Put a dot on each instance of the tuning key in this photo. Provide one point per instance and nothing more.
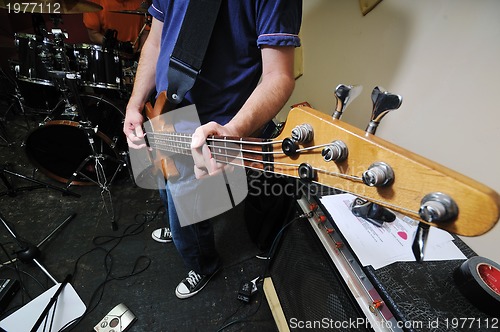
(379, 174)
(336, 151)
(345, 94)
(438, 207)
(383, 102)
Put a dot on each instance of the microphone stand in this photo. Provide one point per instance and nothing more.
(12, 191)
(30, 252)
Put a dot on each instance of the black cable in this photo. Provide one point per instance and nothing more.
(97, 295)
(262, 276)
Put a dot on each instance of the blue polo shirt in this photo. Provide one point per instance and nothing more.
(232, 65)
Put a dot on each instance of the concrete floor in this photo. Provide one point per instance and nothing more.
(111, 266)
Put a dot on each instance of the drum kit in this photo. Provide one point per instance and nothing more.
(80, 140)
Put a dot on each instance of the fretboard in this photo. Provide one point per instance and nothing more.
(248, 152)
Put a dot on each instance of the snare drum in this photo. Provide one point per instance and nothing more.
(98, 67)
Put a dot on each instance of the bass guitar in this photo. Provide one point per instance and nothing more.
(317, 148)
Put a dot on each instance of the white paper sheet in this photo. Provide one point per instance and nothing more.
(381, 246)
(69, 307)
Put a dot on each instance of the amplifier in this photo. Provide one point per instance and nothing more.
(319, 284)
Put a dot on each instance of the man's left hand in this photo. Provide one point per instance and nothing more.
(204, 162)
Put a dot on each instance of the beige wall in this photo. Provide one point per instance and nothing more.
(442, 56)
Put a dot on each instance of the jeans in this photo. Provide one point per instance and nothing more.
(194, 242)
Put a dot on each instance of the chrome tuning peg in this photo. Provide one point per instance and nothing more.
(383, 102)
(345, 94)
(438, 207)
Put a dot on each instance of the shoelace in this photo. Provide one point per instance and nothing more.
(193, 278)
(165, 232)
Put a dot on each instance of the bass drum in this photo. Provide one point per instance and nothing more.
(61, 148)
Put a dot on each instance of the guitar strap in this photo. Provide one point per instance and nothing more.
(190, 47)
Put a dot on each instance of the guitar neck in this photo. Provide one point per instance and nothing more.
(252, 153)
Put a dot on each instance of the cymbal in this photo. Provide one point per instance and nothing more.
(142, 10)
(50, 6)
(138, 11)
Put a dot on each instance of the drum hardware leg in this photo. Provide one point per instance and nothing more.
(12, 190)
(16, 101)
(100, 180)
(126, 162)
(30, 252)
(3, 133)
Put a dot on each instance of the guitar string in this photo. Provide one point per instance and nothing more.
(213, 139)
(241, 141)
(237, 141)
(187, 151)
(374, 200)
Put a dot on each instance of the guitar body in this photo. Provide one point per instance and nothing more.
(414, 176)
(162, 161)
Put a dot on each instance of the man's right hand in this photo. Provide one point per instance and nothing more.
(132, 128)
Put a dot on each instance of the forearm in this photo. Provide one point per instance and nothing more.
(269, 96)
(95, 36)
(143, 86)
(144, 82)
(262, 106)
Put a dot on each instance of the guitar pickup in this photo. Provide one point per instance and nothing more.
(372, 212)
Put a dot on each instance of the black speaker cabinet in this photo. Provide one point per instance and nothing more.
(316, 283)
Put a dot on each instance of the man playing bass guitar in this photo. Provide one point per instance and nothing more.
(246, 78)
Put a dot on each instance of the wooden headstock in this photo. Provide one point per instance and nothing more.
(414, 177)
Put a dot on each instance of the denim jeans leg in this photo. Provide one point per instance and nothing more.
(195, 243)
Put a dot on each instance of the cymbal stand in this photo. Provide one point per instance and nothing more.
(67, 83)
(3, 133)
(147, 22)
(16, 100)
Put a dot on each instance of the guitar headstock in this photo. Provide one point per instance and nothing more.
(328, 151)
